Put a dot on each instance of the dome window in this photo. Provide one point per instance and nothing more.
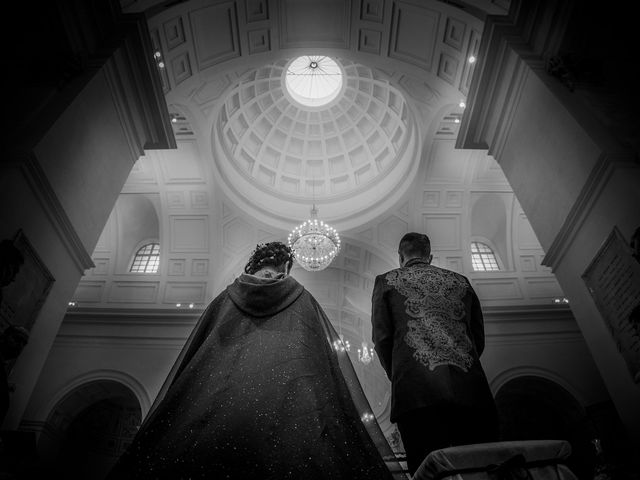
(313, 80)
(146, 259)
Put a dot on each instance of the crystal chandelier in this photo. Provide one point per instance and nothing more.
(365, 354)
(314, 243)
(341, 345)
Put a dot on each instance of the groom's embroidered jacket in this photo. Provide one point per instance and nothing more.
(428, 333)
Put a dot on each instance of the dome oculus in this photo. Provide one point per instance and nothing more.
(313, 80)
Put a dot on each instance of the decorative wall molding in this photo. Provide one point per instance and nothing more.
(527, 313)
(129, 316)
(414, 34)
(448, 68)
(185, 292)
(256, 10)
(370, 41)
(498, 289)
(326, 24)
(189, 233)
(259, 40)
(372, 10)
(89, 291)
(174, 32)
(215, 33)
(181, 68)
(444, 230)
(454, 33)
(131, 291)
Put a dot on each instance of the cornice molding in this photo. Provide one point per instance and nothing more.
(527, 313)
(587, 198)
(143, 76)
(525, 35)
(28, 164)
(129, 316)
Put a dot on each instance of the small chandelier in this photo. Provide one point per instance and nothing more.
(314, 243)
(365, 354)
(367, 417)
(341, 345)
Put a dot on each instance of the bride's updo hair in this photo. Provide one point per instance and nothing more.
(273, 254)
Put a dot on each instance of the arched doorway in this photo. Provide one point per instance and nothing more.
(89, 429)
(535, 408)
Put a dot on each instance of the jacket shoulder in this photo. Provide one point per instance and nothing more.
(454, 275)
(383, 276)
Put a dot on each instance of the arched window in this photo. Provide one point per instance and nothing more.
(482, 258)
(146, 259)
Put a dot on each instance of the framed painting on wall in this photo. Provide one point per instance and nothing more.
(613, 279)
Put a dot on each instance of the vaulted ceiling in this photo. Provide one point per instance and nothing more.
(378, 161)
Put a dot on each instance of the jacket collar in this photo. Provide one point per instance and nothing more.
(416, 261)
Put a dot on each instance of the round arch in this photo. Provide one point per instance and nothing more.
(498, 381)
(125, 380)
(89, 427)
(532, 407)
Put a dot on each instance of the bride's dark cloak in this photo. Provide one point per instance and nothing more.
(258, 392)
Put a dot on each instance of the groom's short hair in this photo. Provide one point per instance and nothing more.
(415, 244)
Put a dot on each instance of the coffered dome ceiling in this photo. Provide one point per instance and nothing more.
(281, 154)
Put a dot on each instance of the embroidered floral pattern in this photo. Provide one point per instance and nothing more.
(437, 331)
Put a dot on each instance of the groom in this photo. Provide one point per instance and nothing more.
(429, 335)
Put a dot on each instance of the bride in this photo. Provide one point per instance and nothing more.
(258, 392)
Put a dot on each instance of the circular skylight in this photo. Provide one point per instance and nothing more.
(313, 80)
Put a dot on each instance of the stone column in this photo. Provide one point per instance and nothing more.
(575, 174)
(87, 101)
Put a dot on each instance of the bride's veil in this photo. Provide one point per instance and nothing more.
(361, 402)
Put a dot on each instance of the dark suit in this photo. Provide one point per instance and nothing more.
(429, 334)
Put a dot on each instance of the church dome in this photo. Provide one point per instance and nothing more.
(291, 149)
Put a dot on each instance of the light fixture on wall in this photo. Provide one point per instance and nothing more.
(314, 243)
(157, 56)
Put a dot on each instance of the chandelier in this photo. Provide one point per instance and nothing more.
(341, 345)
(314, 243)
(367, 417)
(365, 354)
